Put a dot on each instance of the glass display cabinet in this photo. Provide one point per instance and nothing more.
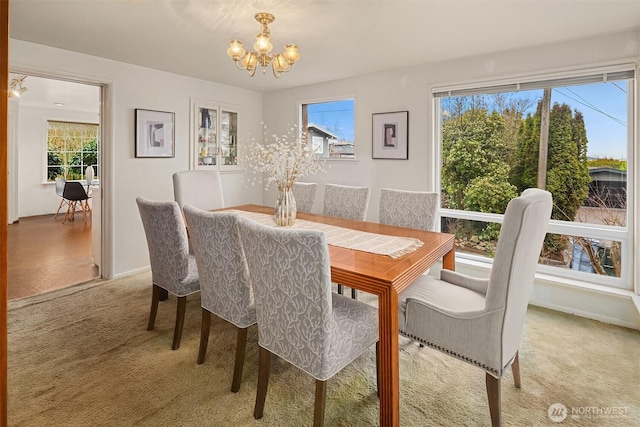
(214, 139)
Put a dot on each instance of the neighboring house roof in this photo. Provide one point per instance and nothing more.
(325, 131)
(598, 174)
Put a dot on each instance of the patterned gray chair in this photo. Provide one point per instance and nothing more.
(305, 195)
(480, 321)
(199, 188)
(299, 318)
(411, 209)
(172, 268)
(224, 278)
(343, 201)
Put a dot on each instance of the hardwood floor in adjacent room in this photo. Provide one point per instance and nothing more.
(45, 254)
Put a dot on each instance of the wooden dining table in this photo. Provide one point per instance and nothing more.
(385, 277)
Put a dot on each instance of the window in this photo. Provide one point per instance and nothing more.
(71, 147)
(330, 127)
(571, 136)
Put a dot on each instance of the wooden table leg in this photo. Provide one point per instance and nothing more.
(449, 260)
(389, 359)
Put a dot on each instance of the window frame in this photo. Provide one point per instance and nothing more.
(83, 168)
(299, 115)
(625, 235)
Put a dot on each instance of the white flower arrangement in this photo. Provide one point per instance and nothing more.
(283, 158)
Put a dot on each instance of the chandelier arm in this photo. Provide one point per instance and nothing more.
(240, 67)
(276, 74)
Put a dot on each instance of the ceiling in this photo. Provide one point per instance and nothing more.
(336, 39)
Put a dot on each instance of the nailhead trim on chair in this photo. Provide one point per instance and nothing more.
(451, 353)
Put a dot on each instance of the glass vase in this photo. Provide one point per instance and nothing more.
(285, 213)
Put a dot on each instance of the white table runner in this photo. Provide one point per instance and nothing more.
(380, 244)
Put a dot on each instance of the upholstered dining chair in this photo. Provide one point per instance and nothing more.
(173, 269)
(199, 188)
(411, 209)
(74, 193)
(305, 195)
(60, 182)
(480, 321)
(224, 278)
(344, 201)
(299, 318)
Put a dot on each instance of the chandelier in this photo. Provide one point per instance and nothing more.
(280, 62)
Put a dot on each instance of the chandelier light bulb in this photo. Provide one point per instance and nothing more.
(235, 50)
(262, 44)
(291, 53)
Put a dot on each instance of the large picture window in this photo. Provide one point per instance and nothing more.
(71, 147)
(330, 127)
(570, 135)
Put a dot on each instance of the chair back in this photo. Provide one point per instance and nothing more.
(89, 174)
(305, 195)
(345, 201)
(291, 277)
(60, 182)
(224, 277)
(74, 191)
(411, 209)
(168, 246)
(199, 188)
(514, 266)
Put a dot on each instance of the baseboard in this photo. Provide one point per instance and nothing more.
(131, 272)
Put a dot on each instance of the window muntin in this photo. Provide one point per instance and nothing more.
(71, 147)
(479, 174)
(330, 127)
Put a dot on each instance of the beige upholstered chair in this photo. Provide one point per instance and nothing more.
(224, 278)
(172, 268)
(343, 201)
(305, 195)
(411, 209)
(480, 321)
(299, 318)
(199, 188)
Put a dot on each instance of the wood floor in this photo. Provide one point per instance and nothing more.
(45, 254)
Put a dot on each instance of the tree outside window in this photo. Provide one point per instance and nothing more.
(71, 147)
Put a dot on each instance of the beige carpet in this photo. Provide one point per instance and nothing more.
(83, 357)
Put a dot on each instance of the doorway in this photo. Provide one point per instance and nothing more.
(43, 253)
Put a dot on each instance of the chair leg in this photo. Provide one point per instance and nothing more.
(264, 365)
(354, 294)
(340, 289)
(69, 214)
(204, 334)
(59, 207)
(493, 393)
(321, 398)
(164, 294)
(241, 345)
(177, 333)
(515, 369)
(155, 296)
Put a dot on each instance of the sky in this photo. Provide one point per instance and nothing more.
(603, 106)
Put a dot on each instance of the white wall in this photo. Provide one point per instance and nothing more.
(125, 177)
(410, 89)
(36, 197)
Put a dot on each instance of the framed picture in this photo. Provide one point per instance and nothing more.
(154, 133)
(391, 135)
